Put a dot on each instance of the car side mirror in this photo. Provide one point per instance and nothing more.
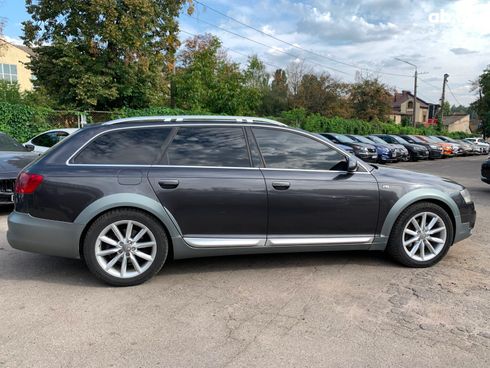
(351, 164)
(29, 147)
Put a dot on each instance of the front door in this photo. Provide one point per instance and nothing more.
(207, 183)
(312, 198)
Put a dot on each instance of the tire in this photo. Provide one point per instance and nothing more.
(399, 234)
(140, 253)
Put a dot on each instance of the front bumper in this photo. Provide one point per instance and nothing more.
(32, 234)
(368, 157)
(435, 154)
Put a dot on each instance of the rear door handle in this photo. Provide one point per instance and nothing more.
(168, 183)
(281, 185)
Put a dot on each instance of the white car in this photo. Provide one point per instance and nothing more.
(44, 141)
(480, 142)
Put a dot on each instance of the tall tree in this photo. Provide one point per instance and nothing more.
(276, 100)
(482, 104)
(257, 84)
(370, 100)
(103, 54)
(206, 80)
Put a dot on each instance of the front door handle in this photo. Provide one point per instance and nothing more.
(281, 185)
(168, 183)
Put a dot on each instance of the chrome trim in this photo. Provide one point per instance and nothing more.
(319, 241)
(224, 242)
(282, 127)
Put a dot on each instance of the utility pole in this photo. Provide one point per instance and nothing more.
(443, 98)
(414, 111)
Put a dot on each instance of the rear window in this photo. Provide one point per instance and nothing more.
(140, 146)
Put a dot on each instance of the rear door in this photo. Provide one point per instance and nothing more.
(207, 181)
(312, 198)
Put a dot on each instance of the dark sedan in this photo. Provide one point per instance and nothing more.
(485, 172)
(385, 152)
(417, 151)
(362, 150)
(13, 158)
(435, 151)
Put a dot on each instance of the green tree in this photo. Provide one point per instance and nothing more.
(206, 80)
(103, 54)
(370, 100)
(482, 104)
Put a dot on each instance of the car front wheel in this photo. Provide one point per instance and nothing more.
(125, 247)
(421, 236)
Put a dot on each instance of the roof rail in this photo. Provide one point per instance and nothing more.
(181, 118)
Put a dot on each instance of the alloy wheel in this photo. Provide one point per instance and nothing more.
(125, 249)
(424, 236)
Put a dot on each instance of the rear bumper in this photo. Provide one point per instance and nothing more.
(43, 236)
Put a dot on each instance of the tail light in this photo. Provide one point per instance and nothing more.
(27, 183)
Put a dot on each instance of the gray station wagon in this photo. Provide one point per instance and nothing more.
(127, 195)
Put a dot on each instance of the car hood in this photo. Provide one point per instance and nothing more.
(11, 163)
(415, 179)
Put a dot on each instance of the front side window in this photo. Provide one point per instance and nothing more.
(208, 146)
(287, 150)
(141, 146)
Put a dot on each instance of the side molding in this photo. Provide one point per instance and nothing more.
(130, 200)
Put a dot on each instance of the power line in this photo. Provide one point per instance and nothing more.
(269, 46)
(299, 47)
(235, 52)
(452, 94)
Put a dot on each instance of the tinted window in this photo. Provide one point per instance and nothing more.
(286, 150)
(203, 146)
(9, 144)
(49, 139)
(125, 147)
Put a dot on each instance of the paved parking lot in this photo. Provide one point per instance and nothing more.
(296, 310)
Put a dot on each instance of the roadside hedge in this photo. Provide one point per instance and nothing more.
(23, 122)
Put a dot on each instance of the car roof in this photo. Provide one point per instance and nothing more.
(67, 130)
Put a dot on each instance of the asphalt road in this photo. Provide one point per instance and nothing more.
(296, 310)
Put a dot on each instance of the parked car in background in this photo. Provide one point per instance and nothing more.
(417, 151)
(347, 149)
(385, 152)
(435, 151)
(365, 151)
(127, 195)
(472, 147)
(44, 141)
(457, 149)
(447, 148)
(402, 153)
(484, 146)
(13, 158)
(485, 171)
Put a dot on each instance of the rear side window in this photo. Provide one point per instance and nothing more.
(287, 150)
(140, 146)
(208, 146)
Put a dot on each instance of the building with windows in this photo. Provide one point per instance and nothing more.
(13, 61)
(402, 108)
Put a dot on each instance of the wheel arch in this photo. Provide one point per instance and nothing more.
(418, 196)
(130, 201)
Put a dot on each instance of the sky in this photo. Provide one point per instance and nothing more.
(345, 37)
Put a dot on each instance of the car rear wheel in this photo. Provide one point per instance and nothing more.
(125, 247)
(421, 236)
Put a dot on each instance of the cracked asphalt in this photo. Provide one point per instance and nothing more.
(293, 310)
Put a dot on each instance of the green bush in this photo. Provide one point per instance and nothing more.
(22, 122)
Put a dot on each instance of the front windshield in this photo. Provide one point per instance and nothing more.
(362, 139)
(9, 144)
(343, 138)
(399, 139)
(417, 139)
(436, 139)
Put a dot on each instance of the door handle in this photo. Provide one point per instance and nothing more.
(281, 185)
(168, 183)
